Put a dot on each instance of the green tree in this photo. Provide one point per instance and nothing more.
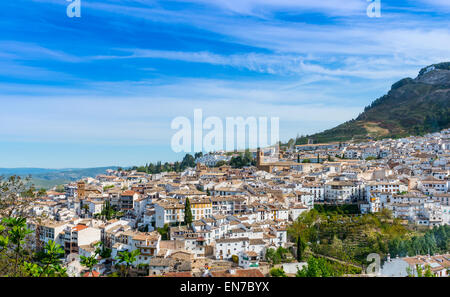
(15, 196)
(85, 207)
(409, 271)
(303, 230)
(164, 232)
(277, 272)
(221, 163)
(188, 161)
(60, 189)
(102, 250)
(17, 232)
(291, 143)
(301, 245)
(318, 267)
(273, 256)
(419, 270)
(128, 258)
(105, 188)
(428, 272)
(248, 157)
(108, 212)
(89, 262)
(281, 252)
(42, 192)
(17, 258)
(48, 262)
(187, 213)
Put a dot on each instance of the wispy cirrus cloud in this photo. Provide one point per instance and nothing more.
(255, 7)
(282, 64)
(400, 38)
(30, 51)
(437, 3)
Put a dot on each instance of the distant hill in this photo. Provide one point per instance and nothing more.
(47, 178)
(412, 107)
(47, 184)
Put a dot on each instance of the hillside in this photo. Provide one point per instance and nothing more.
(412, 107)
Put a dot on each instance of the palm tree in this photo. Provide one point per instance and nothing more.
(102, 250)
(18, 232)
(89, 262)
(50, 257)
(128, 258)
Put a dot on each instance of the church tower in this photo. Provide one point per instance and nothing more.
(259, 157)
(81, 190)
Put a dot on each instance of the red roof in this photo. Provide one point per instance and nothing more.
(92, 274)
(79, 227)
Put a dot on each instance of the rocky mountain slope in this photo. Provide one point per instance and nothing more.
(412, 107)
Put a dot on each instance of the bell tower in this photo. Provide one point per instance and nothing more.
(81, 190)
(259, 157)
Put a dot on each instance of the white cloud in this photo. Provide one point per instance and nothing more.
(30, 51)
(437, 3)
(282, 64)
(18, 70)
(145, 119)
(255, 7)
(405, 42)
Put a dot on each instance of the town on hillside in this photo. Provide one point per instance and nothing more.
(216, 219)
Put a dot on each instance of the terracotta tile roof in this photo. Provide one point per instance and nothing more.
(92, 274)
(79, 227)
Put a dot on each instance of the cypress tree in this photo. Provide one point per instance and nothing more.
(187, 213)
(300, 248)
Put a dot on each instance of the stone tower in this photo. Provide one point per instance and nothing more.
(81, 190)
(259, 157)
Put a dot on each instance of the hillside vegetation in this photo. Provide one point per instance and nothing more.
(348, 237)
(412, 107)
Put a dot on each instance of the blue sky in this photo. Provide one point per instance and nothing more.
(103, 89)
